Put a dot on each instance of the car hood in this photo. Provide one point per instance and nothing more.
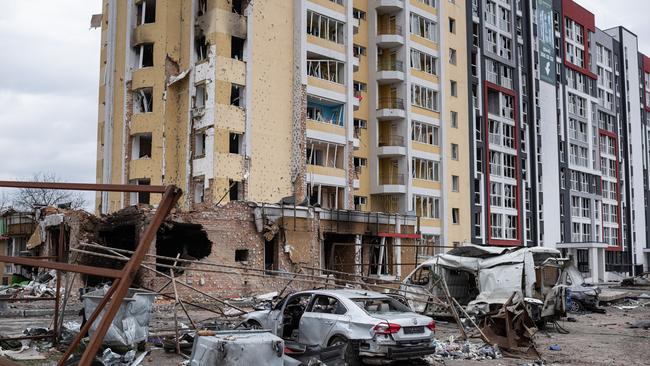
(585, 289)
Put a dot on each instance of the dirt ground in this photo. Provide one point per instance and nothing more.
(593, 339)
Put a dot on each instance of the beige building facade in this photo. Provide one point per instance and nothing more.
(343, 104)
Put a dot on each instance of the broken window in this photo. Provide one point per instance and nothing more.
(235, 190)
(360, 202)
(200, 96)
(201, 48)
(199, 145)
(188, 241)
(270, 256)
(145, 55)
(141, 146)
(241, 255)
(326, 154)
(237, 48)
(237, 95)
(199, 190)
(235, 143)
(143, 100)
(142, 198)
(238, 6)
(146, 12)
(202, 7)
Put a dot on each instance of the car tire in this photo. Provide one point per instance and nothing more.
(575, 306)
(350, 353)
(253, 324)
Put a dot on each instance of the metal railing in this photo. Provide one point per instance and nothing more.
(392, 179)
(390, 65)
(389, 29)
(390, 103)
(391, 140)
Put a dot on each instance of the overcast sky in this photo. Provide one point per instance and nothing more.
(49, 76)
(48, 88)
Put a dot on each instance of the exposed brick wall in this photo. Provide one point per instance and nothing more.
(299, 145)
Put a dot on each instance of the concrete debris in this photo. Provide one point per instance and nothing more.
(640, 280)
(26, 353)
(455, 349)
(43, 286)
(645, 324)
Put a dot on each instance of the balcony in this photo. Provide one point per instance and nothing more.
(389, 36)
(390, 108)
(389, 6)
(392, 183)
(390, 71)
(391, 146)
(392, 179)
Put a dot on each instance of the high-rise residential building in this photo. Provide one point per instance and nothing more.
(496, 122)
(557, 122)
(346, 104)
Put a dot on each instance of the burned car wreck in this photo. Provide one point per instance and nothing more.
(375, 328)
(483, 278)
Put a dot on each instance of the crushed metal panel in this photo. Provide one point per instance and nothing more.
(35, 239)
(96, 21)
(238, 348)
(478, 251)
(131, 324)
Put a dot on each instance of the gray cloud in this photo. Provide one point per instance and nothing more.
(48, 89)
(629, 13)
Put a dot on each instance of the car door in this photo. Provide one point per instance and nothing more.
(322, 316)
(275, 316)
(417, 288)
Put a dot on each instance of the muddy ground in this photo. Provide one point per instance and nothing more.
(593, 339)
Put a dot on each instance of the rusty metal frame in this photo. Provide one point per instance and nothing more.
(123, 278)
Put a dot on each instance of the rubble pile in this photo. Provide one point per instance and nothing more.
(456, 349)
(42, 286)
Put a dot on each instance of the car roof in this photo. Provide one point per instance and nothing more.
(348, 293)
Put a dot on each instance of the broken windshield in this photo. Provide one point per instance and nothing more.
(381, 305)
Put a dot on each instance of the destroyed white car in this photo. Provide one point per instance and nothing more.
(376, 328)
(482, 278)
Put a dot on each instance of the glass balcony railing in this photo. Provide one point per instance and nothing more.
(389, 29)
(390, 103)
(390, 65)
(391, 140)
(392, 179)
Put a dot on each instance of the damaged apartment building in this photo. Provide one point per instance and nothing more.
(247, 248)
(311, 99)
(235, 101)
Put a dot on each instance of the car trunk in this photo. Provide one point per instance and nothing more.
(413, 326)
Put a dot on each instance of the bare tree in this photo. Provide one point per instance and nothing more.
(4, 201)
(28, 198)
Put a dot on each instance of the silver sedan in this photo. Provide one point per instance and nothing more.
(374, 326)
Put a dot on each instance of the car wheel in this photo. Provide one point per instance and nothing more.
(253, 324)
(575, 306)
(350, 354)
